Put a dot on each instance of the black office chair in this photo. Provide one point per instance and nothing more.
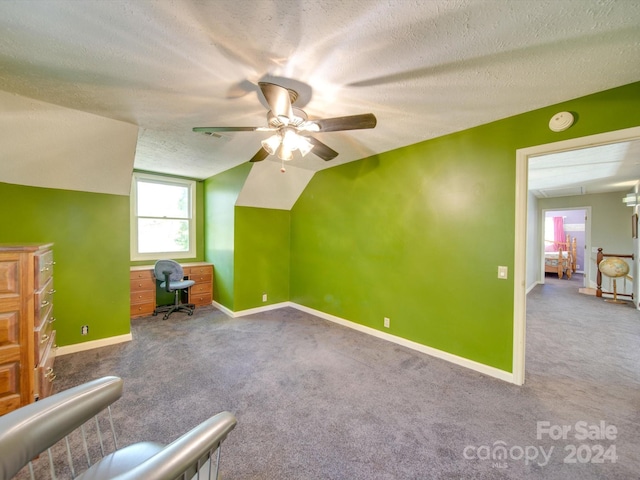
(171, 276)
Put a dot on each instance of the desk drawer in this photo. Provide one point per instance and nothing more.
(200, 278)
(199, 270)
(201, 288)
(142, 284)
(143, 296)
(142, 309)
(200, 299)
(141, 274)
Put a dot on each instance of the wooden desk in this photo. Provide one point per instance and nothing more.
(143, 287)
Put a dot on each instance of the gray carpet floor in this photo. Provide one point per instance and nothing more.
(315, 400)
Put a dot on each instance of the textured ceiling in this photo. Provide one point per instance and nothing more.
(424, 68)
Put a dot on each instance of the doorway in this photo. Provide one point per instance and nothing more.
(572, 223)
(524, 223)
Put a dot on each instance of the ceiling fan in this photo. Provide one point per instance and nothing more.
(292, 129)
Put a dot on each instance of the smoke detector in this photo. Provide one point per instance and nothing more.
(561, 121)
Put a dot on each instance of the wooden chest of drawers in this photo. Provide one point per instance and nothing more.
(143, 287)
(27, 334)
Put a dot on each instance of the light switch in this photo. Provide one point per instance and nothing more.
(502, 272)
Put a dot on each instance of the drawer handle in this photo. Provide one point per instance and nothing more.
(50, 375)
(52, 291)
(44, 339)
(52, 319)
(44, 303)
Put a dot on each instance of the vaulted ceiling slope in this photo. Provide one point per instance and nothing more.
(424, 69)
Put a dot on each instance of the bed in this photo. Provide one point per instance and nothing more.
(563, 260)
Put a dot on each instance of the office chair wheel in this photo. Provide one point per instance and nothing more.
(190, 313)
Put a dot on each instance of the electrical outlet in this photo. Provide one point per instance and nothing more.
(84, 330)
(264, 297)
(387, 322)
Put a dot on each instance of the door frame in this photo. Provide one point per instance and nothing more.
(520, 260)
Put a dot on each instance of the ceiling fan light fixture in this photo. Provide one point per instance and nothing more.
(284, 153)
(292, 128)
(271, 144)
(304, 145)
(290, 139)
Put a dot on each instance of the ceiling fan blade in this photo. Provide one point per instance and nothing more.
(278, 99)
(225, 129)
(260, 155)
(321, 150)
(353, 122)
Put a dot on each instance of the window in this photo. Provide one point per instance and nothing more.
(162, 217)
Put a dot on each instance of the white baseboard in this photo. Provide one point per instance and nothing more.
(534, 285)
(250, 311)
(434, 352)
(103, 342)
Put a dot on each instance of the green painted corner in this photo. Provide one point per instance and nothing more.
(261, 257)
(90, 233)
(220, 195)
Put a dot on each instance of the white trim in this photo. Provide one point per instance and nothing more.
(434, 352)
(520, 269)
(535, 284)
(519, 274)
(103, 342)
(190, 185)
(449, 357)
(250, 311)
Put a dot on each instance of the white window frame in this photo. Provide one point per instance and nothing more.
(191, 185)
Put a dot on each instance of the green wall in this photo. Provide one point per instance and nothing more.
(261, 257)
(220, 195)
(90, 233)
(417, 234)
(249, 247)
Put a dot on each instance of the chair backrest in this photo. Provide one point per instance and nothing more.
(161, 266)
(27, 432)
